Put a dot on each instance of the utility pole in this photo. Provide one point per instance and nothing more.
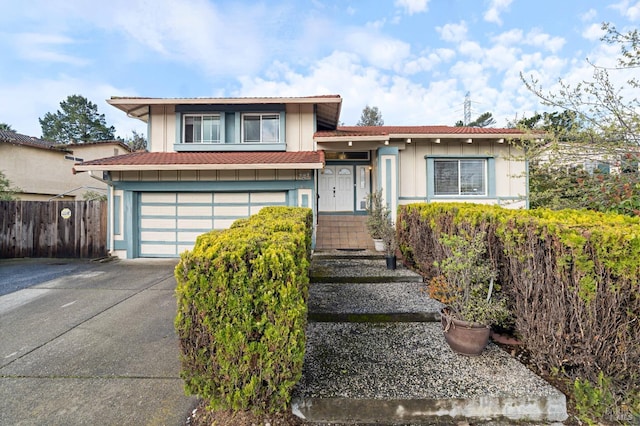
(467, 108)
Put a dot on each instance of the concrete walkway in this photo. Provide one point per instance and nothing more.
(376, 355)
(93, 347)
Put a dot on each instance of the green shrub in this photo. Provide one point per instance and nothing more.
(242, 311)
(571, 279)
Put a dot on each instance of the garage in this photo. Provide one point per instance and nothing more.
(170, 222)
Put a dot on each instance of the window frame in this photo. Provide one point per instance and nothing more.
(261, 116)
(202, 130)
(489, 177)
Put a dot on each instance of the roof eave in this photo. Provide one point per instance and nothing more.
(178, 167)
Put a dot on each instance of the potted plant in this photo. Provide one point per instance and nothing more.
(466, 285)
(388, 234)
(378, 215)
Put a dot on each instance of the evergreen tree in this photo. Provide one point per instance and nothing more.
(137, 141)
(77, 121)
(371, 116)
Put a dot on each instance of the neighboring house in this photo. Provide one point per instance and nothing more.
(42, 170)
(214, 160)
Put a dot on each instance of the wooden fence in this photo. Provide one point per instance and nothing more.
(71, 229)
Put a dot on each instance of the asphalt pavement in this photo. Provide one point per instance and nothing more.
(89, 343)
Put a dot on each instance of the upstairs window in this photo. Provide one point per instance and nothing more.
(201, 128)
(460, 177)
(261, 128)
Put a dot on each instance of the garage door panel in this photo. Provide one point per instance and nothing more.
(195, 210)
(195, 223)
(238, 211)
(268, 197)
(157, 236)
(152, 210)
(231, 197)
(160, 197)
(195, 197)
(153, 223)
(157, 249)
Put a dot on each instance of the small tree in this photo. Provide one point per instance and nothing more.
(137, 141)
(78, 120)
(378, 215)
(6, 127)
(7, 193)
(371, 116)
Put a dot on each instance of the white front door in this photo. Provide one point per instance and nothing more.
(335, 189)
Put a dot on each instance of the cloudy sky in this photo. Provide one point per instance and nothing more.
(414, 59)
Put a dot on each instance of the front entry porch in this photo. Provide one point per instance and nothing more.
(342, 232)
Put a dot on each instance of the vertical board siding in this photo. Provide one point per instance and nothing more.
(37, 229)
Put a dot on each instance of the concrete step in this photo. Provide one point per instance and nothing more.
(358, 270)
(371, 302)
(404, 373)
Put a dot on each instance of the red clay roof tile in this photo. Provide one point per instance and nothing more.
(195, 158)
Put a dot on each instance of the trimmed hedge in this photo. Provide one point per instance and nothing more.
(242, 311)
(572, 279)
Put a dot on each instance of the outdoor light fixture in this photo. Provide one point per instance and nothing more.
(408, 140)
(436, 140)
(468, 140)
(350, 143)
(501, 140)
(386, 142)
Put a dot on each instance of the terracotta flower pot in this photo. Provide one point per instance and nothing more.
(464, 337)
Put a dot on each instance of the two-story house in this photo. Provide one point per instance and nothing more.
(214, 160)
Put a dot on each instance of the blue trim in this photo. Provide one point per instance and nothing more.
(305, 200)
(491, 177)
(178, 129)
(388, 181)
(230, 128)
(388, 150)
(117, 200)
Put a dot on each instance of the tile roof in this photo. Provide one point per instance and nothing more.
(20, 139)
(417, 130)
(146, 159)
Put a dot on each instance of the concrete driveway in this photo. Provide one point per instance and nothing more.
(93, 345)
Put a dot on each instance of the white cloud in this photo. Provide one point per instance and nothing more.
(41, 47)
(537, 38)
(453, 32)
(509, 37)
(496, 7)
(413, 6)
(628, 10)
(378, 50)
(593, 32)
(589, 15)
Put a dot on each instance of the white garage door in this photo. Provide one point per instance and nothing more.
(171, 222)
